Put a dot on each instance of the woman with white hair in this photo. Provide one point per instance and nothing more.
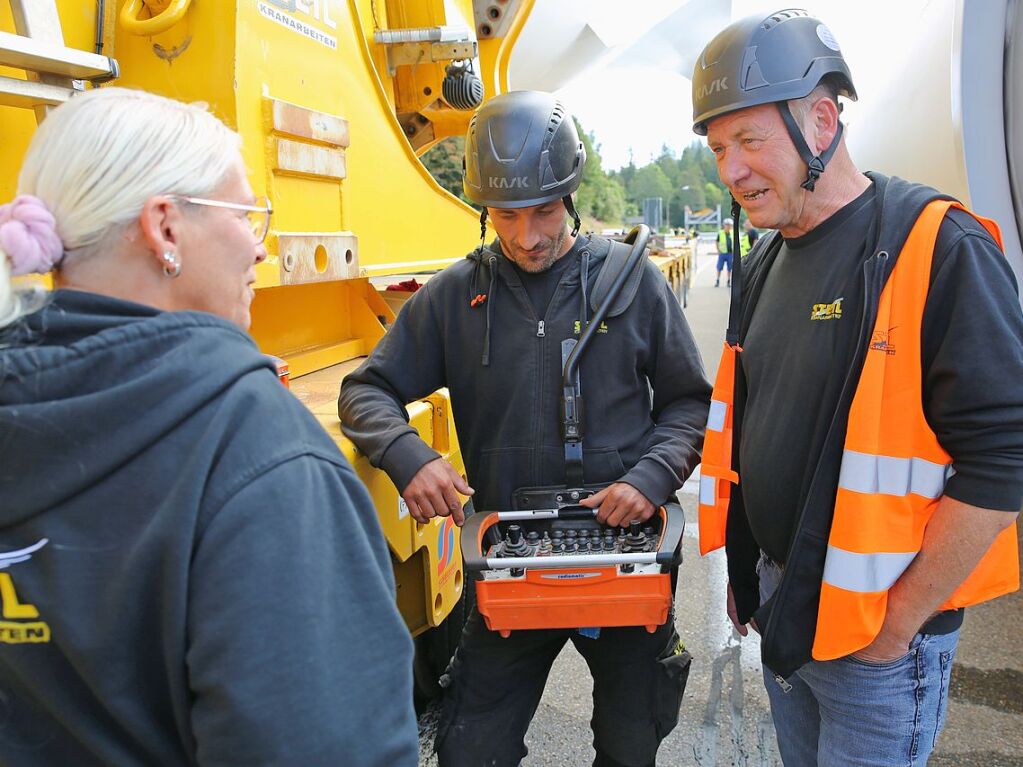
(190, 572)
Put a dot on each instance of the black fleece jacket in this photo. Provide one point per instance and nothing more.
(645, 393)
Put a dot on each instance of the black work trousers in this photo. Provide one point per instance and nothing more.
(493, 687)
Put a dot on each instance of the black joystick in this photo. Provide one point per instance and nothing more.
(514, 544)
(635, 540)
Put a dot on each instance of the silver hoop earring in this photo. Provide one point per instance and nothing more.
(171, 265)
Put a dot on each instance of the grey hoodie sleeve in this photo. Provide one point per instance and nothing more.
(296, 651)
(407, 364)
(681, 398)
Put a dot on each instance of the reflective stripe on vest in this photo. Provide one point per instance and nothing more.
(716, 474)
(864, 572)
(894, 469)
(885, 474)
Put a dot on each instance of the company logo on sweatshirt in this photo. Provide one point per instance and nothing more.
(20, 622)
(578, 328)
(832, 311)
(881, 341)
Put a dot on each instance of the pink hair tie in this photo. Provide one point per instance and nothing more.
(28, 235)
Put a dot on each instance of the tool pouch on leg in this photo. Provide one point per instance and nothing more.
(674, 662)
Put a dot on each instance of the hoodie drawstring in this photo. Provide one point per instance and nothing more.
(584, 278)
(492, 263)
(475, 297)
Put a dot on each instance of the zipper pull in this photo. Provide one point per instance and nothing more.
(785, 686)
(539, 329)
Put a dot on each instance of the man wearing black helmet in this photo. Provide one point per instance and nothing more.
(490, 328)
(878, 465)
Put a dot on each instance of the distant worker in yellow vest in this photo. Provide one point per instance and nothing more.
(870, 385)
(725, 246)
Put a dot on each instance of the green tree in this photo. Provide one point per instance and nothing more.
(709, 164)
(698, 158)
(444, 161)
(599, 196)
(715, 196)
(613, 209)
(626, 173)
(668, 163)
(690, 192)
(649, 181)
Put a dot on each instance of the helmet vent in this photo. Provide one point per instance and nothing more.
(781, 16)
(556, 118)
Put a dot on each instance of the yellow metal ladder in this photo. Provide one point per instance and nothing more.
(54, 72)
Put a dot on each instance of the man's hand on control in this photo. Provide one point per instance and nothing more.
(620, 504)
(433, 492)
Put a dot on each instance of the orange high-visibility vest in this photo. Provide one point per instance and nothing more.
(893, 470)
(716, 473)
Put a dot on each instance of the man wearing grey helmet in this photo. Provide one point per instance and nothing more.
(490, 328)
(878, 442)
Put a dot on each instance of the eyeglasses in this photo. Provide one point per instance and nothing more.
(258, 214)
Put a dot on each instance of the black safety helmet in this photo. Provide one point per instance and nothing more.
(769, 60)
(522, 149)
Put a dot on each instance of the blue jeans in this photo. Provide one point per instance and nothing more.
(852, 713)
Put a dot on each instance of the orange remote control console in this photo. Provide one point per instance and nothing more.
(560, 568)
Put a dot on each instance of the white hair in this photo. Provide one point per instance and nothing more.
(800, 108)
(96, 159)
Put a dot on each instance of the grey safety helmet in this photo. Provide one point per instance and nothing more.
(522, 149)
(769, 60)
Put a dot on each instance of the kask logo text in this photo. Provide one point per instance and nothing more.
(500, 182)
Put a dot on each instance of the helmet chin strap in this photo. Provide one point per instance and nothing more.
(483, 230)
(814, 163)
(570, 207)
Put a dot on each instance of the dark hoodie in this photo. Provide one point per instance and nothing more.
(201, 577)
(972, 345)
(644, 391)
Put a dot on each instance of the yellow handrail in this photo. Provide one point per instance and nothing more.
(161, 22)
